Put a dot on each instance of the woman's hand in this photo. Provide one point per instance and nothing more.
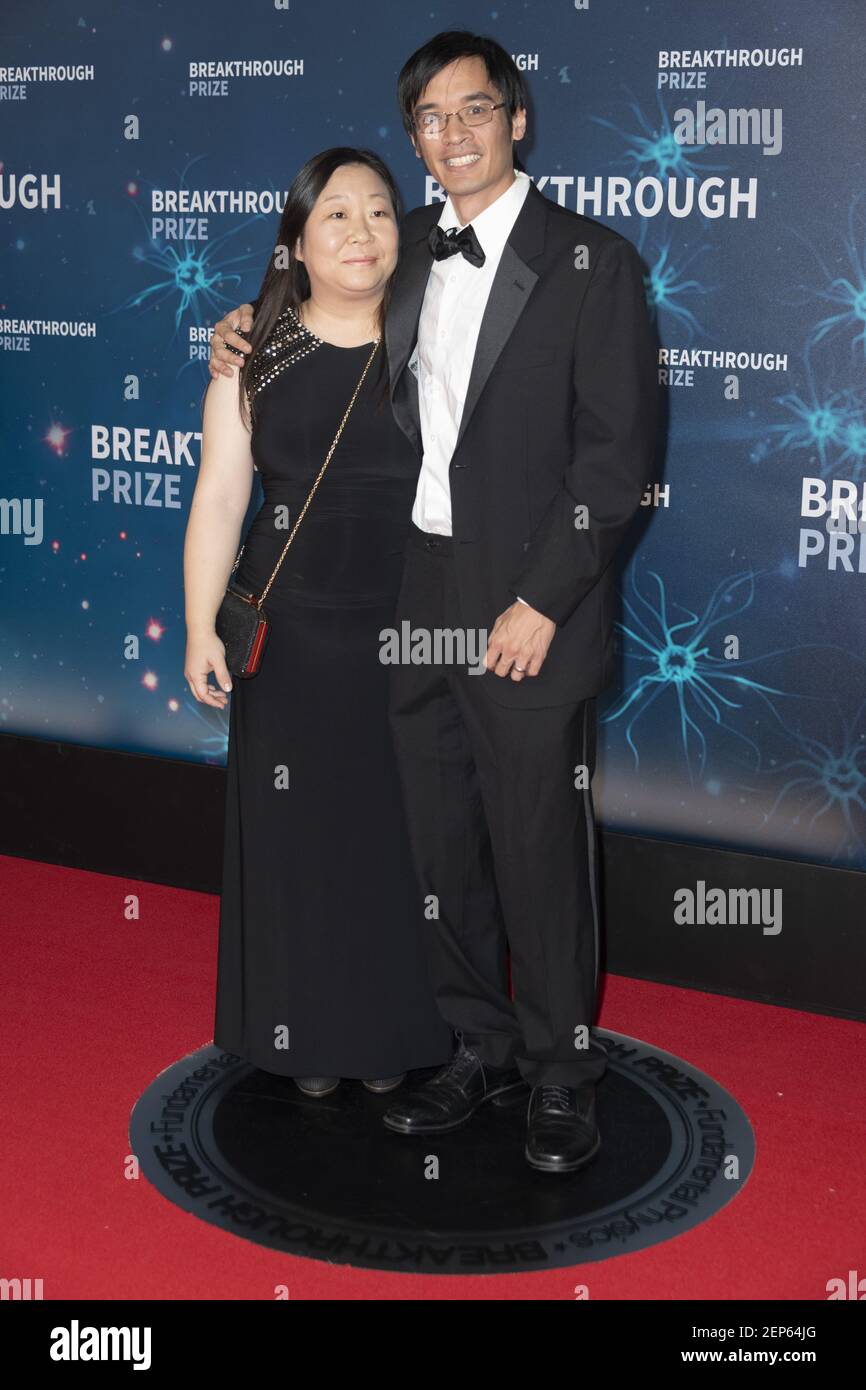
(222, 362)
(204, 653)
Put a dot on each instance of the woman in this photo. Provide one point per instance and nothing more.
(321, 971)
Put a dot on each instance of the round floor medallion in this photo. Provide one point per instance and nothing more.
(245, 1150)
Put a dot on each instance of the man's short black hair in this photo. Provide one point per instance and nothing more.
(446, 48)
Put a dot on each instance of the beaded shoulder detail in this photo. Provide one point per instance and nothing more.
(288, 341)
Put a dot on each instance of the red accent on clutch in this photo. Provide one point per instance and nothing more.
(257, 647)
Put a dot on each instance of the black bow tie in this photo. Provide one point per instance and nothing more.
(444, 244)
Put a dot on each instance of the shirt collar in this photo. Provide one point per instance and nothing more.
(492, 226)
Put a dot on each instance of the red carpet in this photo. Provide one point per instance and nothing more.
(95, 1004)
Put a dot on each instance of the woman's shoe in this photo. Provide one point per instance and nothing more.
(388, 1083)
(316, 1085)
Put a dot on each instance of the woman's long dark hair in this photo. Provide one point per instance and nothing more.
(290, 286)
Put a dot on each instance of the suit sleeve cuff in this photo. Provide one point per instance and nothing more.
(530, 604)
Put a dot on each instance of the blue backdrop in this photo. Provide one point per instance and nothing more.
(145, 152)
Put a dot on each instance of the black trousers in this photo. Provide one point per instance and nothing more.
(503, 843)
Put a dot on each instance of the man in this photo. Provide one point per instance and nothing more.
(523, 369)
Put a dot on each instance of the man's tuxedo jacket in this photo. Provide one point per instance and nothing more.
(557, 438)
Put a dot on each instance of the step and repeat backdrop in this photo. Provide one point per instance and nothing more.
(145, 151)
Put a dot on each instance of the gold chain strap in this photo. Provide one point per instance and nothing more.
(321, 474)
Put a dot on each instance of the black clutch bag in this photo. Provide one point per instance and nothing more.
(243, 629)
(241, 622)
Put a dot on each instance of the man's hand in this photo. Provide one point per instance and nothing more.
(519, 642)
(222, 362)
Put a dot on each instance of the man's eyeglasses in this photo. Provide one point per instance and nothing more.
(434, 122)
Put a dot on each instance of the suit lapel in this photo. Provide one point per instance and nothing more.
(512, 285)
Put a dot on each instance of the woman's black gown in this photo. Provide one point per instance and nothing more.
(320, 940)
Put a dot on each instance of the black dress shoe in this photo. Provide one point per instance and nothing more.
(452, 1096)
(562, 1134)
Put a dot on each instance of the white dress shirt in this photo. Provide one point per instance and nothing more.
(451, 314)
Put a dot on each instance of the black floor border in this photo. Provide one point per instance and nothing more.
(160, 820)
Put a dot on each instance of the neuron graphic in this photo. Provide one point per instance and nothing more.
(853, 439)
(830, 779)
(822, 421)
(215, 745)
(193, 273)
(664, 289)
(679, 660)
(658, 151)
(848, 292)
